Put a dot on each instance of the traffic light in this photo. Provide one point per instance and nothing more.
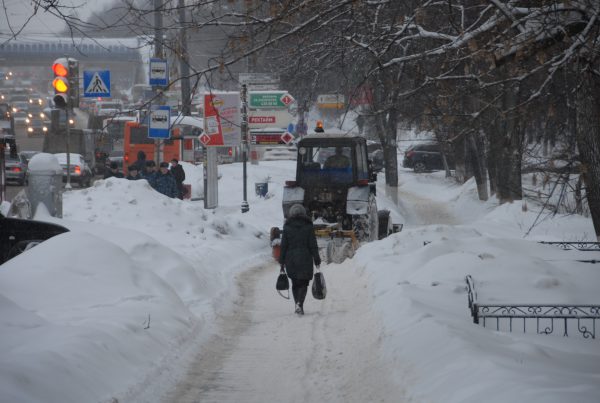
(66, 82)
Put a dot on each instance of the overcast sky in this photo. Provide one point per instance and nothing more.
(18, 11)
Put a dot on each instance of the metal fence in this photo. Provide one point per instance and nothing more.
(541, 318)
(583, 246)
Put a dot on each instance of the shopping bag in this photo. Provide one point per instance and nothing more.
(319, 290)
(283, 284)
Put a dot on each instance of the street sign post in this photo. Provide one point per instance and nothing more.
(159, 73)
(160, 123)
(96, 83)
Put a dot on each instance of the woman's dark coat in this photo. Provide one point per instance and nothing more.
(299, 248)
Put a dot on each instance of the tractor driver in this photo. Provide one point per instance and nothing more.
(337, 160)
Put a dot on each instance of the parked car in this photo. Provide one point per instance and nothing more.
(280, 153)
(426, 157)
(15, 167)
(28, 154)
(19, 235)
(81, 173)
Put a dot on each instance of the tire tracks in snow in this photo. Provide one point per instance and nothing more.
(266, 353)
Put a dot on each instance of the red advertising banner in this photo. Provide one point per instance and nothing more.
(212, 121)
(222, 118)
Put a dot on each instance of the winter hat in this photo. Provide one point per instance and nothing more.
(297, 210)
(164, 164)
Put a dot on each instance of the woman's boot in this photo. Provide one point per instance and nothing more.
(301, 297)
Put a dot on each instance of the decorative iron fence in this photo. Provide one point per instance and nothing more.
(543, 318)
(583, 246)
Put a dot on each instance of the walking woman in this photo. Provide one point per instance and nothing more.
(298, 252)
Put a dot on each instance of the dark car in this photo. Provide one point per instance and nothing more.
(36, 127)
(19, 235)
(15, 167)
(426, 157)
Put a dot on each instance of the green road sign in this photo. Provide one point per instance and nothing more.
(272, 99)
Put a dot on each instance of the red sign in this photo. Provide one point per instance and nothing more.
(266, 139)
(261, 119)
(287, 137)
(205, 139)
(287, 99)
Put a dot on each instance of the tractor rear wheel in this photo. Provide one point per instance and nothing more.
(366, 226)
(385, 223)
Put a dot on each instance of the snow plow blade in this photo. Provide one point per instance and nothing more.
(336, 245)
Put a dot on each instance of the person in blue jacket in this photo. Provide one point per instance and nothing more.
(164, 181)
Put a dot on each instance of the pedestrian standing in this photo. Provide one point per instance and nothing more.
(132, 173)
(150, 174)
(140, 163)
(113, 171)
(179, 175)
(298, 251)
(164, 181)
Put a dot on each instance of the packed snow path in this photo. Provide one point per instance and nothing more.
(423, 211)
(266, 353)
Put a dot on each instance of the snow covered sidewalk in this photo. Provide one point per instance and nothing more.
(267, 353)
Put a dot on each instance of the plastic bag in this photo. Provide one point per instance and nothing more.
(319, 289)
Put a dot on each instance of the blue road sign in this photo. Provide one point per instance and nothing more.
(159, 73)
(96, 83)
(160, 123)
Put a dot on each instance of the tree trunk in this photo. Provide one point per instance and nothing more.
(588, 141)
(477, 162)
(460, 160)
(509, 163)
(493, 136)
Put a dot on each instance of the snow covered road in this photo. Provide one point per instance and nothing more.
(267, 353)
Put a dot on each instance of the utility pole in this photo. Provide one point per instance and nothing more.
(184, 66)
(184, 71)
(158, 53)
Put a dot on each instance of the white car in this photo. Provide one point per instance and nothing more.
(80, 171)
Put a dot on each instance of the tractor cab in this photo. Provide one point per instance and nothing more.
(334, 184)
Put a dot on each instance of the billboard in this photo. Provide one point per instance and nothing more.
(222, 119)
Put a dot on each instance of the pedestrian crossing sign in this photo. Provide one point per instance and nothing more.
(96, 83)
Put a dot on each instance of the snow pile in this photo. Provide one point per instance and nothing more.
(119, 305)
